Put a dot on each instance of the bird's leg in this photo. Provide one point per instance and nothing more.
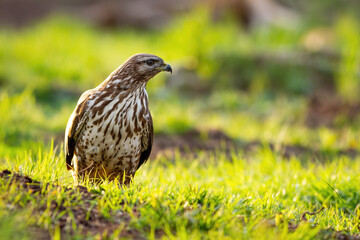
(125, 179)
(75, 176)
(75, 172)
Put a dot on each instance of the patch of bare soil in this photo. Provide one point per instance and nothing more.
(326, 107)
(338, 235)
(86, 217)
(192, 141)
(189, 143)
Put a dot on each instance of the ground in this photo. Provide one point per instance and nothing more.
(156, 203)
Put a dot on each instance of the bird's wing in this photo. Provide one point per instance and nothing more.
(146, 142)
(75, 125)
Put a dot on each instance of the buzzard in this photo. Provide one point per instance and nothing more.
(110, 133)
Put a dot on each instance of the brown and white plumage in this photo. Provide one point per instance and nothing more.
(110, 133)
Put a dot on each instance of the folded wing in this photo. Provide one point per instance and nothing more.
(75, 125)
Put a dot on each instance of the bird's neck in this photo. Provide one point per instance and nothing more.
(123, 82)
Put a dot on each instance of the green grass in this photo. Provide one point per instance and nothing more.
(253, 196)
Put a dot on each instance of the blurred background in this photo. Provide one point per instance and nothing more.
(281, 73)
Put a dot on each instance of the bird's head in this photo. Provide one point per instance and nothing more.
(144, 66)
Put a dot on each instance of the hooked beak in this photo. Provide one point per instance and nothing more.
(167, 68)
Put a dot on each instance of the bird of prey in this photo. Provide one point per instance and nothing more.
(109, 135)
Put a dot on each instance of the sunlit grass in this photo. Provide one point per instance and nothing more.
(216, 195)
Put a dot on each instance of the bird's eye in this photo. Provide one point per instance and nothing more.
(150, 62)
